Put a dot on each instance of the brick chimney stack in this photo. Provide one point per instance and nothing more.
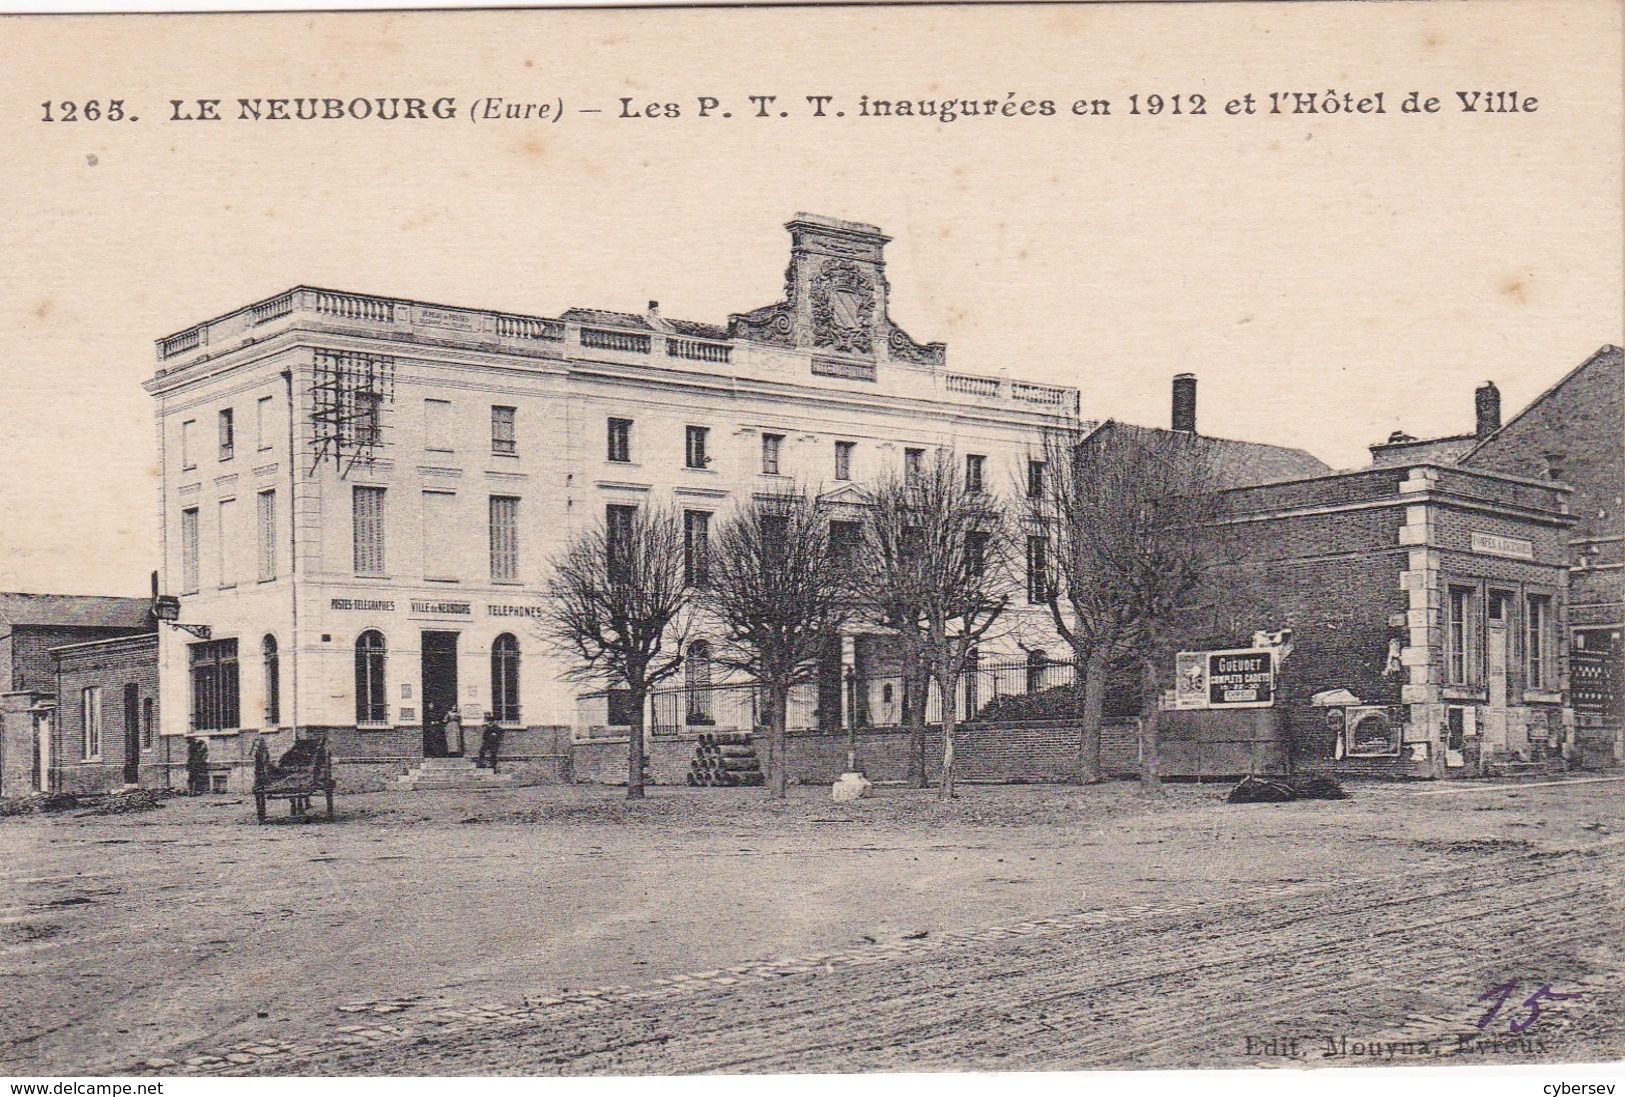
(1487, 403)
(1185, 402)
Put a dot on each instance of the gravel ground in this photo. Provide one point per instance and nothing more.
(559, 930)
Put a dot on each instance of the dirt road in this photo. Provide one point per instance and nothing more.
(1016, 929)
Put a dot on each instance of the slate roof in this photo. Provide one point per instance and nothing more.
(74, 611)
(1240, 464)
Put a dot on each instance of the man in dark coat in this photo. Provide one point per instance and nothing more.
(490, 743)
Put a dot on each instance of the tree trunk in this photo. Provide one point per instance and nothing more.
(945, 788)
(1095, 666)
(778, 709)
(1150, 714)
(634, 745)
(917, 683)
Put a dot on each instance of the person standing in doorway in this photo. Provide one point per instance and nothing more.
(454, 733)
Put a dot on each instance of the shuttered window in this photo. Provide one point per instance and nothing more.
(189, 549)
(265, 522)
(439, 535)
(504, 538)
(227, 544)
(368, 505)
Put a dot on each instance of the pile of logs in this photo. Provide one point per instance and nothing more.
(724, 759)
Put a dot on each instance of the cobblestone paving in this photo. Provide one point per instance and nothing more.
(1396, 963)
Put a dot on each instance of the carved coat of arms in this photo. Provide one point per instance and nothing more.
(843, 307)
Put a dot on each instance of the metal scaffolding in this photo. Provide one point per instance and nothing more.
(347, 402)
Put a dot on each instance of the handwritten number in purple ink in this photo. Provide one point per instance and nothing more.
(1532, 1003)
(1500, 994)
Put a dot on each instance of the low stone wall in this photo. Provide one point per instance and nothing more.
(1035, 753)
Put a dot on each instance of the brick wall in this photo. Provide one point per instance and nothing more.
(112, 666)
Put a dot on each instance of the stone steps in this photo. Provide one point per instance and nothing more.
(450, 773)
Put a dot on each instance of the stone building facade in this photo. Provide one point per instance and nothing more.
(360, 493)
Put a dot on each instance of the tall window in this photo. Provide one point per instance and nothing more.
(214, 685)
(620, 440)
(90, 720)
(618, 519)
(843, 460)
(228, 434)
(1037, 569)
(371, 697)
(273, 681)
(696, 547)
(975, 466)
(504, 538)
(189, 551)
(264, 425)
(265, 523)
(439, 522)
(772, 444)
(1461, 637)
(437, 426)
(189, 444)
(845, 539)
(227, 543)
(976, 544)
(913, 464)
(697, 673)
(1539, 647)
(149, 721)
(505, 679)
(504, 439)
(695, 456)
(368, 510)
(1035, 479)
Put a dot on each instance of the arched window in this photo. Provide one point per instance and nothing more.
(1036, 662)
(148, 720)
(697, 672)
(371, 700)
(505, 679)
(273, 682)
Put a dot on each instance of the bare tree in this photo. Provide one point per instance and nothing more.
(938, 565)
(1148, 526)
(1086, 610)
(779, 593)
(617, 604)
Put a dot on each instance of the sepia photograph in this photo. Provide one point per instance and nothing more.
(812, 539)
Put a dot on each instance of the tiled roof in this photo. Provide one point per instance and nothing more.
(1239, 464)
(74, 611)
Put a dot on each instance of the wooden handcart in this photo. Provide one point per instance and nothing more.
(301, 773)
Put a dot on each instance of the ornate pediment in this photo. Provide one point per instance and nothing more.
(835, 293)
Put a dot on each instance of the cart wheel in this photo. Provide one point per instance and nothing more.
(259, 806)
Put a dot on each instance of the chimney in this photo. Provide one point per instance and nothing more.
(1185, 402)
(1487, 402)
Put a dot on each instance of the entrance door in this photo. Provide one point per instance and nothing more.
(132, 734)
(439, 694)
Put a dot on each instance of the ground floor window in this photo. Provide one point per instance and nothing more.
(1539, 642)
(505, 679)
(371, 698)
(273, 682)
(90, 720)
(214, 685)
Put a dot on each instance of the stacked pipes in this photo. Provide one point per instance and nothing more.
(724, 759)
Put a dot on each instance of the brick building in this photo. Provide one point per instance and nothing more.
(1426, 602)
(1575, 432)
(31, 627)
(105, 733)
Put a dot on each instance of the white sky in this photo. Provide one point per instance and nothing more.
(1329, 279)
